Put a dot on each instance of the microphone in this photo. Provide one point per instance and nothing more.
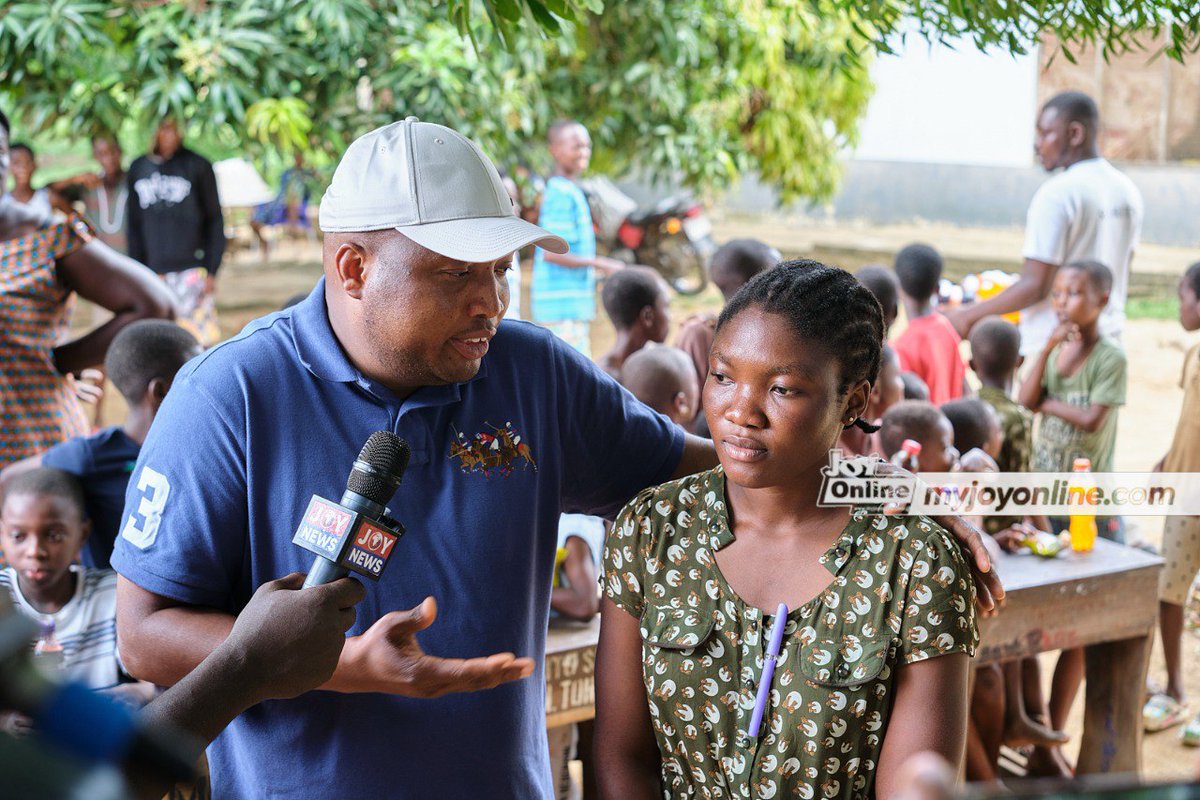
(356, 534)
(82, 723)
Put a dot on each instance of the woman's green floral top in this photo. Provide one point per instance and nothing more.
(900, 592)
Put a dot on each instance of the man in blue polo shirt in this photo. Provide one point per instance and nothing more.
(419, 235)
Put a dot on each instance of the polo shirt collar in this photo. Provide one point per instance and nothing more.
(316, 345)
(321, 353)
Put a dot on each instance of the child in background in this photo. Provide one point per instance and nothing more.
(42, 529)
(662, 378)
(914, 387)
(929, 344)
(1003, 693)
(1077, 382)
(1181, 535)
(976, 429)
(638, 302)
(887, 391)
(881, 282)
(734, 263)
(995, 358)
(922, 422)
(141, 362)
(23, 165)
(875, 650)
(564, 286)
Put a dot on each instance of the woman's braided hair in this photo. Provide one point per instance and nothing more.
(822, 304)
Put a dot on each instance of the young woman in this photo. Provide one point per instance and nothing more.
(874, 660)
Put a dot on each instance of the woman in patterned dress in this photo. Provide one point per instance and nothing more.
(44, 262)
(876, 647)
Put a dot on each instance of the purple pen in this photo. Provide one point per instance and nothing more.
(764, 685)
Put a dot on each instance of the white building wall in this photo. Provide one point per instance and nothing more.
(934, 104)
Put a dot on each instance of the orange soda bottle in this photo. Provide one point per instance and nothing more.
(1083, 526)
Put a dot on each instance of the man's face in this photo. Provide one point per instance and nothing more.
(108, 155)
(1053, 139)
(428, 318)
(167, 140)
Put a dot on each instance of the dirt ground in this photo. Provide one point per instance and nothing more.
(248, 288)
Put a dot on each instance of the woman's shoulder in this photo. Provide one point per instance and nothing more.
(66, 233)
(689, 495)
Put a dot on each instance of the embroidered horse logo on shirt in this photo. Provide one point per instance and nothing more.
(490, 452)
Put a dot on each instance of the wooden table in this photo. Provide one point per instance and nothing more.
(571, 671)
(1107, 601)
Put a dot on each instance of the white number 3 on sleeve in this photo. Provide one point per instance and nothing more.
(141, 527)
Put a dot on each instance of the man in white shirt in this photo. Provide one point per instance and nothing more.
(1088, 211)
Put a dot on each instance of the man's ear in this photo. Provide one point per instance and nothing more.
(1076, 133)
(350, 264)
(646, 317)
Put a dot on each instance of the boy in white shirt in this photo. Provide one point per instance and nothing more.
(43, 527)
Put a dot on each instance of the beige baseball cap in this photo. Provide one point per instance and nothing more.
(433, 185)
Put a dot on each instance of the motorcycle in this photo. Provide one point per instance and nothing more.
(674, 236)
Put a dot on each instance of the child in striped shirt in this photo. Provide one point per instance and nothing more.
(42, 529)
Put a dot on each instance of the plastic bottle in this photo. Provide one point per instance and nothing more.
(47, 651)
(1083, 526)
(907, 456)
(993, 282)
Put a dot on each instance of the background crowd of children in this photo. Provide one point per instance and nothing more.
(974, 405)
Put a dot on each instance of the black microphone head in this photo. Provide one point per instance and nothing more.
(379, 468)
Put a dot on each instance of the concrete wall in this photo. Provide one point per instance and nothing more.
(937, 104)
(890, 191)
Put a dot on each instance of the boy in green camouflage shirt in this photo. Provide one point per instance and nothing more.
(995, 356)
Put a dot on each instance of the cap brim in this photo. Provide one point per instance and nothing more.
(483, 238)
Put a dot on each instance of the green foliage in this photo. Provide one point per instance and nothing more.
(700, 90)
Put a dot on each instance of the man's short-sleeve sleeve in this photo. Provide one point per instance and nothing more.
(184, 529)
(939, 609)
(71, 456)
(1108, 386)
(1046, 225)
(625, 549)
(613, 446)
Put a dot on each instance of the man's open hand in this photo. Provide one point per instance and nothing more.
(388, 658)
